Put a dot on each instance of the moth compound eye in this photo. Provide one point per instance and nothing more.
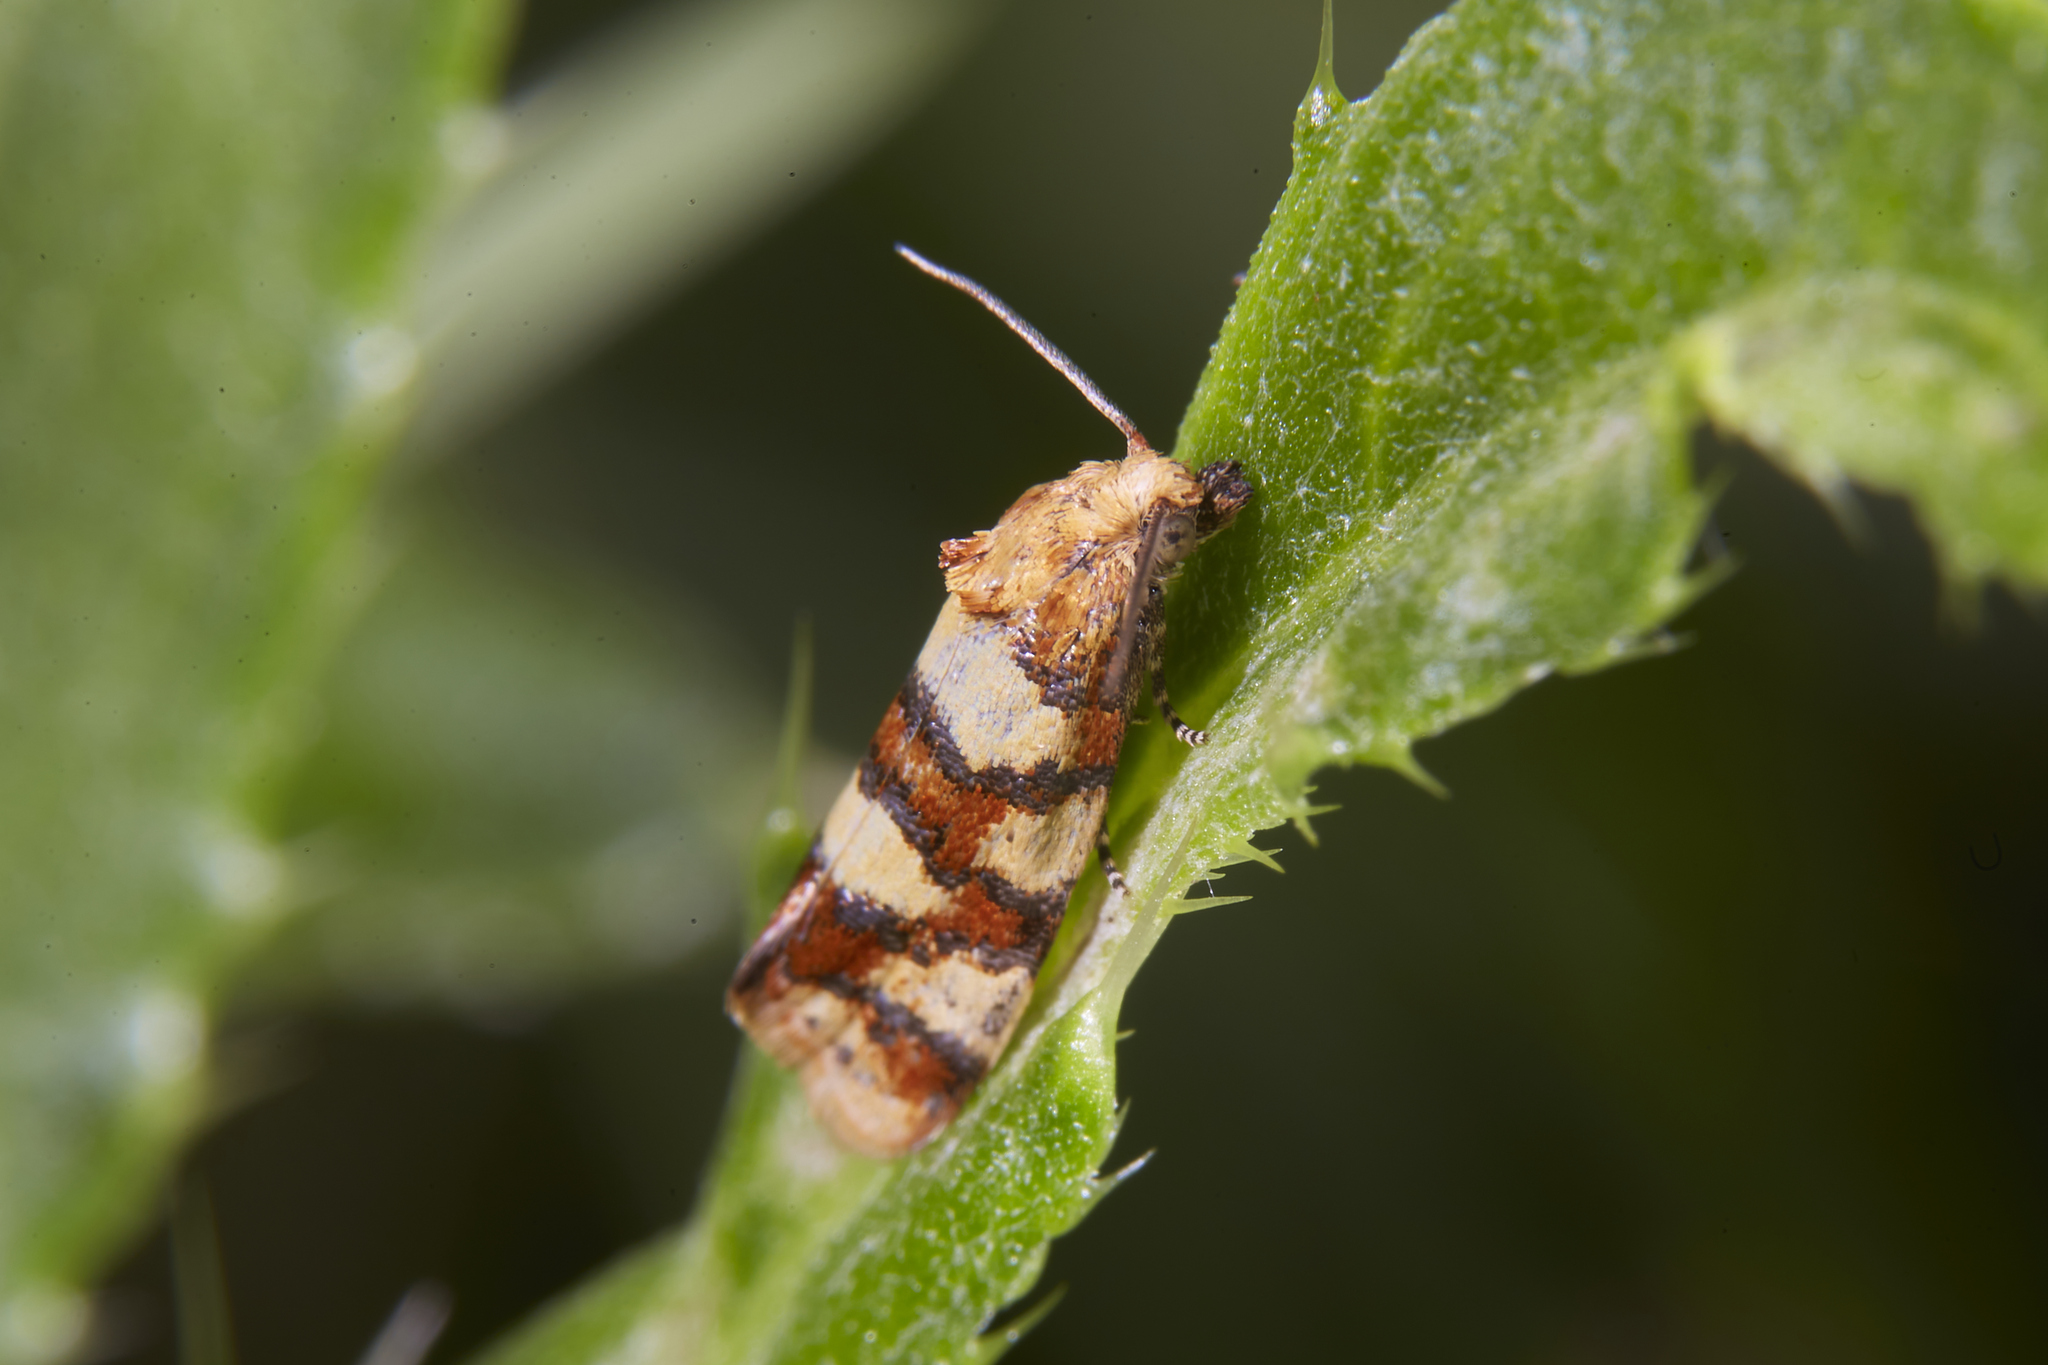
(1176, 537)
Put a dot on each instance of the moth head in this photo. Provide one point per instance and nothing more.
(1174, 529)
(1179, 519)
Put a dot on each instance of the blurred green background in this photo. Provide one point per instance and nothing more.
(1705, 1021)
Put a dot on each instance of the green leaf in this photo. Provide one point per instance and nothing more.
(209, 210)
(1493, 304)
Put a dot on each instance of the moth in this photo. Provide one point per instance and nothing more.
(895, 969)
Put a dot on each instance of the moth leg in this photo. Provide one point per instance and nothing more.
(1109, 868)
(1182, 731)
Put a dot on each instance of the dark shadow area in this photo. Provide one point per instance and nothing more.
(503, 1162)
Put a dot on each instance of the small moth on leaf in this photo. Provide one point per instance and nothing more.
(897, 966)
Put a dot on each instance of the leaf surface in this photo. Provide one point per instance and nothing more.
(209, 211)
(1492, 306)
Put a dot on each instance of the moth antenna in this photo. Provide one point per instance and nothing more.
(1117, 673)
(1035, 339)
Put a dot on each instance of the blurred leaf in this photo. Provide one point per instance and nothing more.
(525, 779)
(645, 161)
(208, 211)
(1492, 305)
(785, 834)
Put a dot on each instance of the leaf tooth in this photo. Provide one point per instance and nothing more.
(1403, 762)
(992, 1346)
(1685, 590)
(1300, 810)
(1100, 1183)
(1241, 849)
(1649, 645)
(1177, 905)
(1105, 1181)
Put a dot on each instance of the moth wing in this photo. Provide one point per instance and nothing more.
(854, 1091)
(955, 554)
(921, 1041)
(791, 1019)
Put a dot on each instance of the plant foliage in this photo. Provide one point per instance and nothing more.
(209, 209)
(218, 317)
(1493, 304)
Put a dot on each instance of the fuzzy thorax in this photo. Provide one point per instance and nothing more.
(1066, 550)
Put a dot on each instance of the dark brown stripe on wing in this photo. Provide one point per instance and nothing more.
(787, 920)
(999, 927)
(1042, 906)
(937, 1062)
(1061, 678)
(864, 915)
(1038, 788)
(837, 936)
(947, 837)
(1073, 669)
(826, 934)
(922, 1061)
(946, 811)
(946, 828)
(892, 1025)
